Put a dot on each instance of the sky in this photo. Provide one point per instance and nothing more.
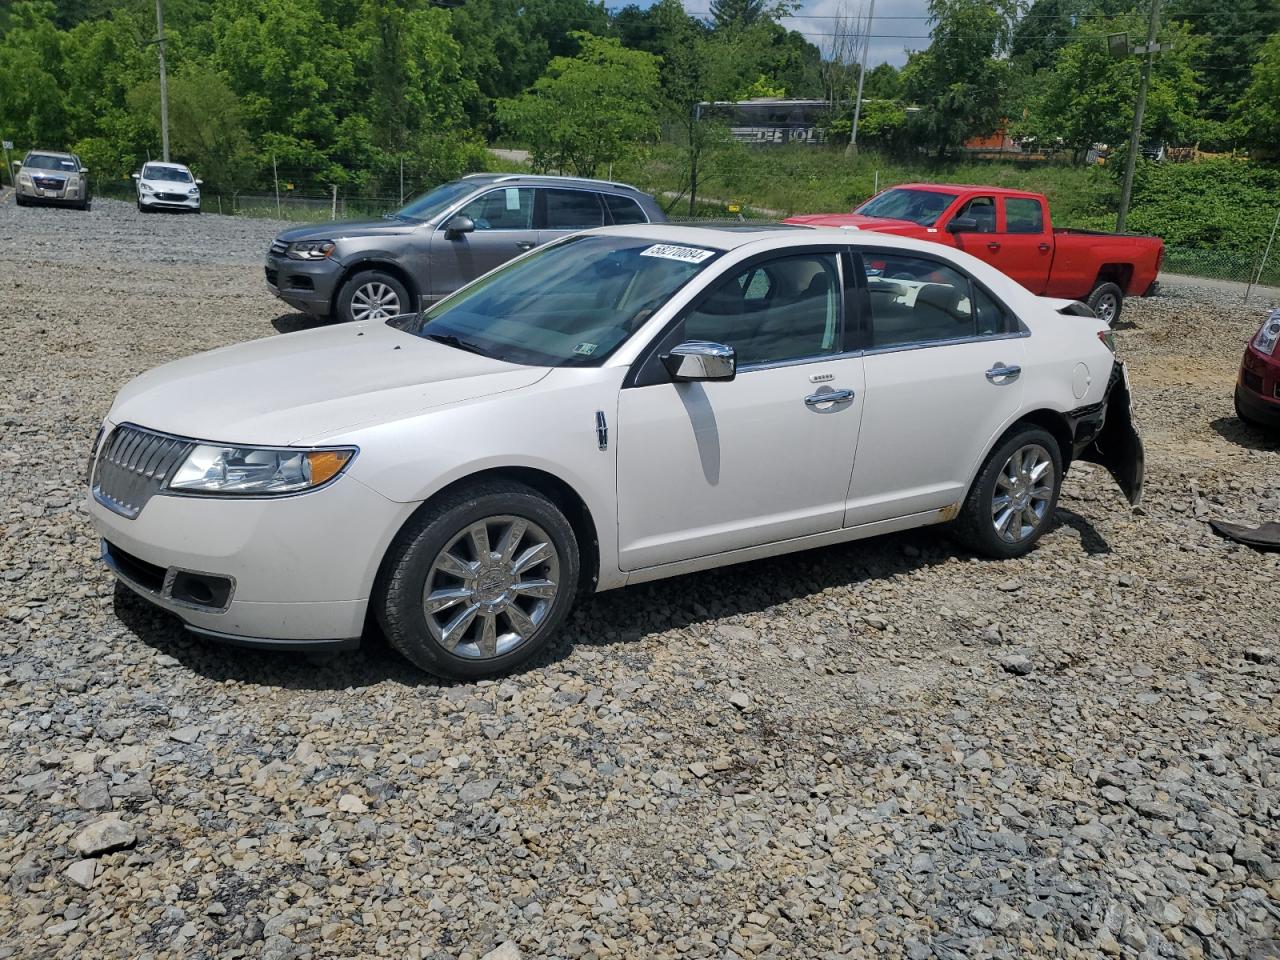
(899, 25)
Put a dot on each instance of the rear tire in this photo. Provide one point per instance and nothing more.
(1106, 300)
(1014, 498)
(479, 581)
(372, 295)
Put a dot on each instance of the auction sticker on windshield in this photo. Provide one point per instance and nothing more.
(672, 252)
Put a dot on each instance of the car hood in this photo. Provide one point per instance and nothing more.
(168, 186)
(309, 386)
(855, 221)
(381, 227)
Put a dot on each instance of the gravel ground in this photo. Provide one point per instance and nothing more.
(881, 750)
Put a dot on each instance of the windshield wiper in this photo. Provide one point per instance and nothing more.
(449, 340)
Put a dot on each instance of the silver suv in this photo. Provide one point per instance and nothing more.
(47, 176)
(375, 269)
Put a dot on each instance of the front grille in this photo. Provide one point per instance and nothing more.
(49, 183)
(144, 574)
(1251, 380)
(278, 247)
(172, 197)
(133, 465)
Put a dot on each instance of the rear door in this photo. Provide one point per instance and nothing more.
(943, 375)
(1026, 242)
(564, 211)
(504, 230)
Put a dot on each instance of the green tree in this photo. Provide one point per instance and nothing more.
(1088, 96)
(1259, 109)
(884, 82)
(33, 105)
(959, 81)
(728, 14)
(1234, 34)
(587, 110)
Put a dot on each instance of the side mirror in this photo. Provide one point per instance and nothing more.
(963, 225)
(701, 360)
(17, 164)
(83, 171)
(137, 176)
(459, 224)
(199, 183)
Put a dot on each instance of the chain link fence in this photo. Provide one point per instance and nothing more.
(1223, 265)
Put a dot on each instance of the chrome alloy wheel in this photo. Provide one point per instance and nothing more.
(1024, 490)
(375, 301)
(491, 587)
(1107, 307)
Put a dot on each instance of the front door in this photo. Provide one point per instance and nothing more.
(943, 376)
(709, 467)
(504, 230)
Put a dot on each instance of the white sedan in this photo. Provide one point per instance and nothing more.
(626, 404)
(167, 186)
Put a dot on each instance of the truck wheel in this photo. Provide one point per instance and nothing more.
(1106, 301)
(479, 581)
(1014, 497)
(19, 199)
(372, 295)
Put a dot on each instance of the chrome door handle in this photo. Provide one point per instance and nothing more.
(1000, 374)
(831, 396)
(525, 244)
(993, 246)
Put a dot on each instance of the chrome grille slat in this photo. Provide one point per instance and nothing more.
(132, 466)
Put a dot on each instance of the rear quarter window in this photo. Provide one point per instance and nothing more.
(624, 210)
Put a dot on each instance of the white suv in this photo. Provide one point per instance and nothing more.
(167, 186)
(622, 405)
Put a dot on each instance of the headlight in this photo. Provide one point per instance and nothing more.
(146, 187)
(73, 183)
(194, 191)
(309, 250)
(25, 179)
(1269, 335)
(219, 469)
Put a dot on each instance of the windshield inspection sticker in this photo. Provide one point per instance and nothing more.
(586, 349)
(672, 252)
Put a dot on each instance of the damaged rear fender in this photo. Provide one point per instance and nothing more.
(1106, 434)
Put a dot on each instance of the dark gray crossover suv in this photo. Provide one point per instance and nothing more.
(375, 269)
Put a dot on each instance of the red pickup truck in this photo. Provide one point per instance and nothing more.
(1011, 230)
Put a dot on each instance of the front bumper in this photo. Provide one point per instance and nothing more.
(62, 197)
(306, 285)
(169, 201)
(301, 568)
(1258, 387)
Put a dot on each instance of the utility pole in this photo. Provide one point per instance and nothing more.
(1135, 135)
(164, 82)
(862, 75)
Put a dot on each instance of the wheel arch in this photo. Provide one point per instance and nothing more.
(1051, 420)
(384, 265)
(1121, 274)
(554, 488)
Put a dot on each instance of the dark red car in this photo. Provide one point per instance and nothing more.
(1258, 386)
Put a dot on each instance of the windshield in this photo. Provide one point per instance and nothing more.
(435, 201)
(41, 161)
(569, 304)
(919, 206)
(154, 171)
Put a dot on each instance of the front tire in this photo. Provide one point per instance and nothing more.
(479, 581)
(372, 295)
(1015, 496)
(1106, 300)
(20, 200)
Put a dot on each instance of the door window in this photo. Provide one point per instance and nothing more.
(510, 208)
(1023, 215)
(983, 210)
(573, 210)
(624, 209)
(784, 309)
(915, 300)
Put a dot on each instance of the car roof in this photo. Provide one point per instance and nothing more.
(166, 163)
(962, 187)
(51, 153)
(768, 236)
(548, 180)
